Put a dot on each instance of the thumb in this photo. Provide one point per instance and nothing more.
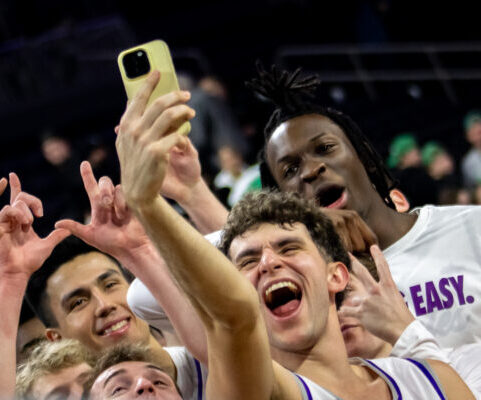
(75, 228)
(55, 237)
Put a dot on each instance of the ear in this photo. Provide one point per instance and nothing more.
(53, 335)
(401, 203)
(337, 277)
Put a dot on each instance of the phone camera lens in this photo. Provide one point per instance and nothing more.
(136, 64)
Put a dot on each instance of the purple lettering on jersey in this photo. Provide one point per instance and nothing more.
(449, 300)
(458, 285)
(417, 299)
(432, 298)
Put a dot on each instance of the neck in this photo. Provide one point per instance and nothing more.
(326, 363)
(388, 224)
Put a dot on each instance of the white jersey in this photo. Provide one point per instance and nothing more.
(437, 268)
(408, 379)
(191, 374)
(417, 342)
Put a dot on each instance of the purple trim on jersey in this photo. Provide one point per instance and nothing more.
(200, 388)
(393, 382)
(308, 392)
(430, 377)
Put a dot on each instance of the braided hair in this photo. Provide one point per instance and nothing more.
(294, 96)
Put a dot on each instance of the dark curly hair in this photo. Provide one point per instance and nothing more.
(285, 209)
(294, 96)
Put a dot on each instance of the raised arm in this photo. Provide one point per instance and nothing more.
(22, 252)
(240, 365)
(183, 183)
(114, 230)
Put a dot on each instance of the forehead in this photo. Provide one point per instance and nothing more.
(266, 234)
(81, 271)
(299, 131)
(130, 369)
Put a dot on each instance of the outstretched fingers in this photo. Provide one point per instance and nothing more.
(90, 183)
(15, 186)
(382, 266)
(361, 273)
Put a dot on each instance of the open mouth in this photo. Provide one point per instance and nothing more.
(333, 196)
(283, 298)
(117, 328)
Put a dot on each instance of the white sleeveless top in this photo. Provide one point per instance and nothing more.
(408, 379)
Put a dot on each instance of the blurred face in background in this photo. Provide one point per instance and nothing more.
(56, 150)
(473, 135)
(441, 166)
(230, 160)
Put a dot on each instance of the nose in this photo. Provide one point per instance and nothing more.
(270, 261)
(144, 387)
(104, 304)
(311, 169)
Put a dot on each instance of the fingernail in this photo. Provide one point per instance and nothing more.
(186, 94)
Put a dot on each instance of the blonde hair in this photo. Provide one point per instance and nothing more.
(48, 358)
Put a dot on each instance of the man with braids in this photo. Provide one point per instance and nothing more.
(297, 269)
(433, 252)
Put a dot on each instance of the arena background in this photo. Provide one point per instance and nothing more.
(393, 65)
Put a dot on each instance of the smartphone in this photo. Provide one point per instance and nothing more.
(135, 65)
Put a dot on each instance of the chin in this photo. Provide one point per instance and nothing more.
(294, 340)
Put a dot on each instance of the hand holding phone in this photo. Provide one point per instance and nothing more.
(136, 63)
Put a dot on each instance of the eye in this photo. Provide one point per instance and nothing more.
(117, 390)
(160, 383)
(324, 148)
(290, 170)
(248, 263)
(289, 250)
(77, 303)
(111, 284)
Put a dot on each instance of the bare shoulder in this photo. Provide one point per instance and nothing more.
(453, 385)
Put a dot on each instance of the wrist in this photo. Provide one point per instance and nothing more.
(196, 193)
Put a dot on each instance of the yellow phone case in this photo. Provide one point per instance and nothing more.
(159, 58)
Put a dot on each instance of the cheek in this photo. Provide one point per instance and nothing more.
(250, 275)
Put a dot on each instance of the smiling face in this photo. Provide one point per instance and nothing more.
(294, 282)
(134, 379)
(358, 340)
(312, 156)
(88, 297)
(67, 384)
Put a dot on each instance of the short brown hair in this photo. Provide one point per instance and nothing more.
(285, 209)
(49, 358)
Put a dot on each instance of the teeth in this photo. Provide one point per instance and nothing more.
(280, 285)
(115, 327)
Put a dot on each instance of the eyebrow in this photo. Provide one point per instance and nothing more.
(152, 366)
(114, 374)
(252, 251)
(80, 291)
(289, 157)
